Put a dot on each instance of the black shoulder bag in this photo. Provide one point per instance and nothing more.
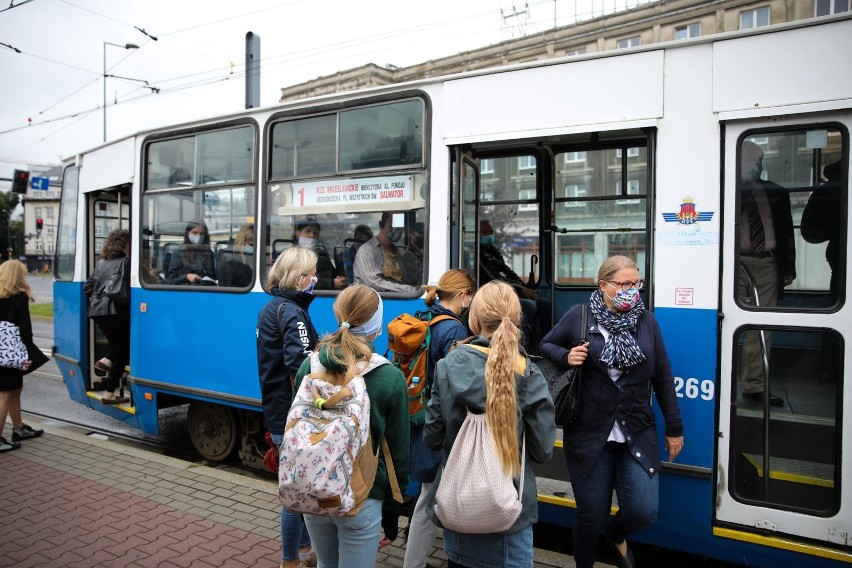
(566, 388)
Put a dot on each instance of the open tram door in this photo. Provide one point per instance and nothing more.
(784, 336)
(464, 214)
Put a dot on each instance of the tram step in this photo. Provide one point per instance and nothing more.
(126, 407)
(795, 471)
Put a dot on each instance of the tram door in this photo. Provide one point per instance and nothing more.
(108, 210)
(785, 329)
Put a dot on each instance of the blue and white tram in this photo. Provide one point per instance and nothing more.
(633, 152)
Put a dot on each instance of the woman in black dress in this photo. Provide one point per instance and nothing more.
(15, 294)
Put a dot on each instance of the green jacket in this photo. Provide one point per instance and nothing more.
(388, 420)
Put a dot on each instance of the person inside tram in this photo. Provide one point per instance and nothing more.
(308, 233)
(613, 442)
(192, 263)
(821, 220)
(767, 252)
(236, 264)
(377, 263)
(361, 235)
(412, 257)
(493, 267)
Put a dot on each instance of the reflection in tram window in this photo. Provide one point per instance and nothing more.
(787, 456)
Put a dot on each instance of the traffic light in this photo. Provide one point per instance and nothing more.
(21, 181)
(39, 223)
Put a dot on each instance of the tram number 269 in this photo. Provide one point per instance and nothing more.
(694, 388)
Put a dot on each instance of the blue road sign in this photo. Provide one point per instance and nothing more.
(39, 183)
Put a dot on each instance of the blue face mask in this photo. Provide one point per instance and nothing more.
(486, 240)
(249, 249)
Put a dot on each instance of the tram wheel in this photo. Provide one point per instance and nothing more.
(213, 429)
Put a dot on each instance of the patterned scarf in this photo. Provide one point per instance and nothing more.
(620, 350)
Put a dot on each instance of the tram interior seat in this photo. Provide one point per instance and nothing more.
(347, 257)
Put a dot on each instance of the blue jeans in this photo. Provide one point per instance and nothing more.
(500, 550)
(638, 500)
(347, 542)
(294, 535)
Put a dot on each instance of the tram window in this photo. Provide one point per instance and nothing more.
(382, 136)
(337, 237)
(788, 457)
(223, 222)
(304, 147)
(221, 156)
(66, 246)
(791, 243)
(593, 216)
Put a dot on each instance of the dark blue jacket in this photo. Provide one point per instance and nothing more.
(627, 400)
(424, 461)
(285, 337)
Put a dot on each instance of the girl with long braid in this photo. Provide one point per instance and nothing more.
(493, 376)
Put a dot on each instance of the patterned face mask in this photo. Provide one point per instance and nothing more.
(625, 300)
(312, 282)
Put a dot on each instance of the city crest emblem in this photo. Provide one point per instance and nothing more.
(688, 214)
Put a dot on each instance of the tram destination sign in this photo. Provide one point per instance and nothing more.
(345, 194)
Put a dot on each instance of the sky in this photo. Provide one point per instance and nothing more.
(52, 98)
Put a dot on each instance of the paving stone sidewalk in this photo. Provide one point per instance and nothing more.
(70, 500)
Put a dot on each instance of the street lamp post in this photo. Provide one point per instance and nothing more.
(125, 46)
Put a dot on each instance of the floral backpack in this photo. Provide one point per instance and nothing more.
(327, 465)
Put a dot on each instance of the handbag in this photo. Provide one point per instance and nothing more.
(116, 287)
(13, 352)
(474, 494)
(565, 389)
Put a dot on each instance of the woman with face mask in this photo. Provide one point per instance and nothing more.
(451, 297)
(308, 236)
(192, 263)
(285, 337)
(613, 443)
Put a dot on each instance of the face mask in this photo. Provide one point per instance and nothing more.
(249, 249)
(195, 238)
(625, 300)
(312, 282)
(487, 240)
(307, 242)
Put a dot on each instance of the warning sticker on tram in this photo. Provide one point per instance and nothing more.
(362, 190)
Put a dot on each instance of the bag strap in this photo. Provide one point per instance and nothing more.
(584, 320)
(397, 494)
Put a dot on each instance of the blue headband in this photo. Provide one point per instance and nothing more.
(372, 326)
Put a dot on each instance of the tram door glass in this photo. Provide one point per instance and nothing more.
(600, 210)
(508, 203)
(204, 181)
(469, 228)
(66, 236)
(791, 256)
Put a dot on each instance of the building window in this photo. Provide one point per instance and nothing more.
(574, 157)
(526, 162)
(48, 212)
(486, 166)
(631, 153)
(573, 191)
(688, 31)
(632, 189)
(38, 211)
(579, 51)
(828, 7)
(527, 194)
(628, 42)
(754, 18)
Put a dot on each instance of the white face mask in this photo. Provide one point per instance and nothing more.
(249, 249)
(195, 238)
(307, 242)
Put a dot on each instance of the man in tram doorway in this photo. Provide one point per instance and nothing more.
(767, 257)
(492, 266)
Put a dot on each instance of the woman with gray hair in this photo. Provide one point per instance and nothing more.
(285, 337)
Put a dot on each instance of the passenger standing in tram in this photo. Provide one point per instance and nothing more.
(512, 393)
(285, 337)
(15, 294)
(613, 442)
(351, 542)
(308, 234)
(111, 317)
(821, 220)
(450, 297)
(192, 263)
(767, 250)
